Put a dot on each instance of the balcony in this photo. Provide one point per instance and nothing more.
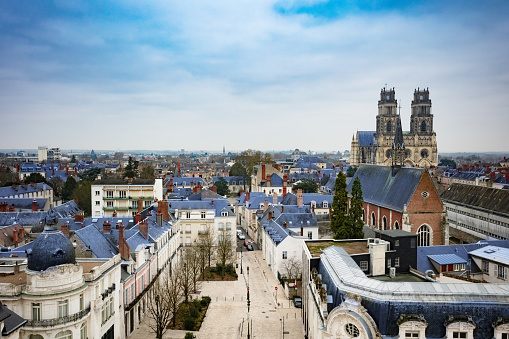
(118, 208)
(128, 198)
(59, 321)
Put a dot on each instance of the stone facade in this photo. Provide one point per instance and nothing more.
(420, 146)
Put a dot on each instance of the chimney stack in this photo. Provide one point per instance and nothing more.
(267, 182)
(21, 232)
(300, 199)
(270, 215)
(15, 236)
(106, 227)
(143, 227)
(137, 218)
(65, 229)
(159, 218)
(263, 171)
(34, 206)
(274, 198)
(11, 208)
(163, 207)
(284, 224)
(123, 247)
(140, 205)
(213, 188)
(265, 205)
(79, 217)
(282, 208)
(301, 229)
(212, 202)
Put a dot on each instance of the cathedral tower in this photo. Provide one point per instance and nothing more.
(421, 121)
(387, 117)
(398, 146)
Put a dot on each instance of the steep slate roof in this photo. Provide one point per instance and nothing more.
(275, 180)
(366, 138)
(291, 199)
(276, 232)
(205, 193)
(380, 187)
(485, 198)
(25, 203)
(219, 205)
(10, 190)
(100, 246)
(11, 320)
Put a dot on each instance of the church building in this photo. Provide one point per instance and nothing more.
(418, 147)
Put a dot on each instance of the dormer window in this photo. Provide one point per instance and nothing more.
(203, 215)
(224, 214)
(325, 204)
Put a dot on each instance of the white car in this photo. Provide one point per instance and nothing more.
(241, 236)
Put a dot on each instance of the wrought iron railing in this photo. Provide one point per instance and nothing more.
(59, 321)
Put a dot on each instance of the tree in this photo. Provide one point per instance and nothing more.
(221, 186)
(158, 310)
(34, 177)
(69, 187)
(83, 193)
(57, 184)
(355, 213)
(249, 159)
(93, 156)
(306, 185)
(293, 268)
(73, 159)
(339, 208)
(350, 172)
(147, 172)
(191, 258)
(237, 170)
(173, 292)
(225, 250)
(90, 174)
(447, 162)
(205, 245)
(185, 280)
(131, 170)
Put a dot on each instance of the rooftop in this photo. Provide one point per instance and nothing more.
(350, 246)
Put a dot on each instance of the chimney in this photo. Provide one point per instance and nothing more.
(270, 215)
(140, 205)
(265, 205)
(11, 208)
(263, 171)
(300, 199)
(123, 247)
(282, 208)
(493, 176)
(143, 227)
(79, 217)
(248, 196)
(34, 206)
(66, 170)
(213, 188)
(65, 229)
(274, 198)
(21, 232)
(137, 218)
(106, 227)
(285, 180)
(3, 207)
(114, 214)
(276, 166)
(301, 229)
(163, 207)
(267, 182)
(159, 218)
(212, 202)
(15, 236)
(196, 189)
(284, 224)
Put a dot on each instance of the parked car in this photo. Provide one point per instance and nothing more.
(250, 247)
(241, 236)
(297, 302)
(247, 242)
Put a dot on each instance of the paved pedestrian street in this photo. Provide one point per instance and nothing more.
(227, 314)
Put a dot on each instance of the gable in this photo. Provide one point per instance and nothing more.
(425, 202)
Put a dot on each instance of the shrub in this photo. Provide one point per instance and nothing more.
(189, 335)
(212, 269)
(205, 300)
(189, 324)
(194, 313)
(197, 304)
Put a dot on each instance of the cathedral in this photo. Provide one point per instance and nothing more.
(389, 145)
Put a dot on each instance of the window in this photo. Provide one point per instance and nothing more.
(228, 226)
(424, 236)
(107, 309)
(423, 126)
(188, 241)
(325, 204)
(310, 235)
(97, 193)
(224, 214)
(97, 203)
(411, 334)
(459, 267)
(83, 331)
(389, 126)
(396, 244)
(203, 215)
(132, 292)
(459, 334)
(352, 330)
(188, 215)
(384, 222)
(364, 265)
(122, 194)
(220, 226)
(63, 309)
(188, 228)
(82, 302)
(372, 219)
(505, 335)
(396, 262)
(501, 272)
(64, 335)
(148, 203)
(285, 255)
(109, 203)
(389, 262)
(396, 225)
(135, 204)
(36, 311)
(109, 194)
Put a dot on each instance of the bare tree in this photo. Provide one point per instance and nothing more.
(174, 293)
(159, 311)
(191, 258)
(225, 250)
(205, 244)
(185, 279)
(293, 268)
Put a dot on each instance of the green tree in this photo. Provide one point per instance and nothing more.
(350, 172)
(339, 208)
(34, 177)
(355, 213)
(69, 187)
(83, 194)
(57, 184)
(90, 174)
(73, 159)
(222, 186)
(306, 185)
(131, 170)
(93, 156)
(447, 162)
(237, 170)
(147, 172)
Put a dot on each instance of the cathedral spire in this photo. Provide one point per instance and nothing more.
(398, 147)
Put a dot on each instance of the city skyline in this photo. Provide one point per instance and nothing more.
(261, 75)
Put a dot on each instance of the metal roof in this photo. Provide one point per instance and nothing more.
(447, 259)
(492, 253)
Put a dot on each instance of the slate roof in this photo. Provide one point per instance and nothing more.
(179, 181)
(25, 203)
(447, 259)
(21, 189)
(310, 159)
(11, 320)
(276, 232)
(97, 242)
(205, 193)
(219, 205)
(291, 199)
(239, 180)
(485, 198)
(366, 138)
(254, 202)
(493, 253)
(275, 181)
(240, 200)
(34, 218)
(380, 187)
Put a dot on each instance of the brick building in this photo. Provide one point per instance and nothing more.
(402, 198)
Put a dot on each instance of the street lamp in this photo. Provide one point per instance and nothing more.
(241, 247)
(248, 301)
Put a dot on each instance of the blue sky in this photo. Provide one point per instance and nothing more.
(248, 74)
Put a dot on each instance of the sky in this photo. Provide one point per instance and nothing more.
(259, 74)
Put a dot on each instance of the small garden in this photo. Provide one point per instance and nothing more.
(214, 273)
(190, 315)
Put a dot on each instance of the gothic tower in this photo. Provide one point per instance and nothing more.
(421, 121)
(387, 117)
(398, 146)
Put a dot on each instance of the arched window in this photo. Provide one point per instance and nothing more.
(384, 222)
(424, 236)
(389, 126)
(423, 126)
(83, 329)
(363, 215)
(64, 335)
(396, 225)
(36, 336)
(373, 219)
